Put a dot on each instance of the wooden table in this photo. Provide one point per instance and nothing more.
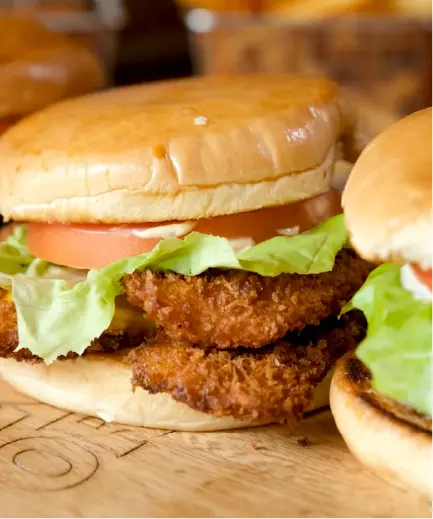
(59, 464)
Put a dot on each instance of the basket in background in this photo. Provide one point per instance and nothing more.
(385, 56)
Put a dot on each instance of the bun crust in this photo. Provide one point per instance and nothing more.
(100, 385)
(175, 150)
(397, 451)
(40, 67)
(387, 200)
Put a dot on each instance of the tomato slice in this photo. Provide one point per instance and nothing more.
(424, 276)
(95, 246)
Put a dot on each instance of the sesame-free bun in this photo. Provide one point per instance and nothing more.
(40, 67)
(396, 450)
(175, 150)
(100, 385)
(388, 199)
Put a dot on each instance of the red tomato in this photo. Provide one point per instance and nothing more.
(95, 246)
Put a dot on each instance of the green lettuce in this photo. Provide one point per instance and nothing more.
(398, 346)
(15, 258)
(57, 315)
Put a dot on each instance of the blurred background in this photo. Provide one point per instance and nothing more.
(378, 50)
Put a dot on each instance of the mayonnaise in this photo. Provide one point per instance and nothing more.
(242, 244)
(289, 231)
(412, 284)
(171, 230)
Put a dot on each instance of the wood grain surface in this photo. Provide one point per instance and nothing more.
(59, 464)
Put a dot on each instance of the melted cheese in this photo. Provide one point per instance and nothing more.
(127, 317)
(6, 295)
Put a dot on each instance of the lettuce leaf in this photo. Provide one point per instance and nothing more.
(15, 258)
(398, 346)
(57, 315)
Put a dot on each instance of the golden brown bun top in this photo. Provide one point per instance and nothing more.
(388, 198)
(40, 67)
(180, 149)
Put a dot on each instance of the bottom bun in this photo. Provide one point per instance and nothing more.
(396, 450)
(100, 385)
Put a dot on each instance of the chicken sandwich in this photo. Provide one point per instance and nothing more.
(180, 263)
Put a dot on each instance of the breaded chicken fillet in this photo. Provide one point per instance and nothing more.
(273, 383)
(236, 308)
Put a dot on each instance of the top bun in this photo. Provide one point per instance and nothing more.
(40, 67)
(387, 200)
(175, 150)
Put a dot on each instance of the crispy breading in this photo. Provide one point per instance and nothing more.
(228, 309)
(9, 337)
(272, 384)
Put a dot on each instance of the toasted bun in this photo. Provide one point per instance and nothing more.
(100, 385)
(387, 200)
(40, 67)
(175, 150)
(395, 450)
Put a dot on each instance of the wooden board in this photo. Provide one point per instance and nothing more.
(59, 464)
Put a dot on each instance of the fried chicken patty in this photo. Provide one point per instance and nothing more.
(9, 337)
(228, 309)
(272, 384)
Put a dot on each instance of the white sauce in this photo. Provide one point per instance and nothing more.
(412, 284)
(289, 231)
(172, 230)
(176, 230)
(242, 244)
